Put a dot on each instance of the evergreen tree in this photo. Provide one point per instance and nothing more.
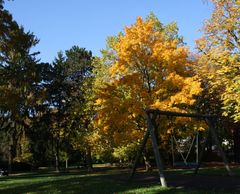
(21, 88)
(68, 98)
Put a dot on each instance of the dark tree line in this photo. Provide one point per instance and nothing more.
(38, 100)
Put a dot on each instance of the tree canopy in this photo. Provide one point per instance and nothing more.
(220, 57)
(80, 104)
(146, 66)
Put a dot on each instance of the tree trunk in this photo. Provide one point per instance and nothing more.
(236, 140)
(147, 163)
(57, 157)
(212, 128)
(209, 155)
(141, 148)
(12, 150)
(66, 163)
(89, 159)
(10, 159)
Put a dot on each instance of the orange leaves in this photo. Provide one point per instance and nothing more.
(139, 33)
(137, 43)
(150, 70)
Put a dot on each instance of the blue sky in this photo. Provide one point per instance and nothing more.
(61, 24)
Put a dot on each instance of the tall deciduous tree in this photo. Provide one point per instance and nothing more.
(148, 68)
(220, 48)
(220, 61)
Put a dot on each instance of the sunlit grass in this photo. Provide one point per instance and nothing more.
(101, 181)
(67, 183)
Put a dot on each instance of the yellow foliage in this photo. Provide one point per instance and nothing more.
(220, 48)
(149, 71)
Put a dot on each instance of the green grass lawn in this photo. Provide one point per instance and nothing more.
(100, 181)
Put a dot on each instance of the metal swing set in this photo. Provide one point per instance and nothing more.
(152, 127)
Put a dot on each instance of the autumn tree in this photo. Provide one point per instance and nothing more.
(148, 67)
(220, 53)
(220, 62)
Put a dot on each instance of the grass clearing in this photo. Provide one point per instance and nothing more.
(100, 181)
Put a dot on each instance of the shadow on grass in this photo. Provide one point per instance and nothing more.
(208, 171)
(52, 173)
(90, 184)
(104, 181)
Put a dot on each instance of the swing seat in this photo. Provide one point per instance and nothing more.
(184, 165)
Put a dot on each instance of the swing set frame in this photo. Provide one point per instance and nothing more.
(151, 115)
